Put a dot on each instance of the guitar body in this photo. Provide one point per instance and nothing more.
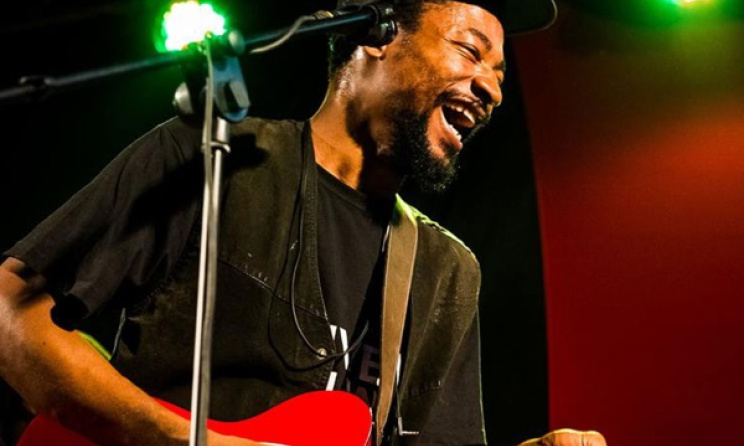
(312, 419)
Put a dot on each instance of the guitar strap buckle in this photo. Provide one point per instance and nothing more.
(402, 432)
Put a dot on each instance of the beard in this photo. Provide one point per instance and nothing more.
(409, 151)
(412, 152)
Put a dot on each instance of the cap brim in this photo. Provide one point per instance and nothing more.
(516, 16)
(524, 16)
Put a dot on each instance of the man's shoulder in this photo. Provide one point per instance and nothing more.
(251, 126)
(440, 240)
(265, 127)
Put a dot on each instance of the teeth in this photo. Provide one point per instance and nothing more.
(460, 109)
(468, 114)
(450, 126)
(454, 130)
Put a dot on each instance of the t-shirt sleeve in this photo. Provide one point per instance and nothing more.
(125, 230)
(456, 418)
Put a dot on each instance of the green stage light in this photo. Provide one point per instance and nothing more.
(690, 3)
(188, 22)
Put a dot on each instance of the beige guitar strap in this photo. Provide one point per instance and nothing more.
(401, 252)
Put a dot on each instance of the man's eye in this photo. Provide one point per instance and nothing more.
(473, 52)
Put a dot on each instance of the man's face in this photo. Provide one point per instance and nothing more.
(441, 83)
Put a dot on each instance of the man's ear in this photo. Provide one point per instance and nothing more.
(376, 52)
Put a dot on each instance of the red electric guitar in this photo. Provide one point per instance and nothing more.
(319, 418)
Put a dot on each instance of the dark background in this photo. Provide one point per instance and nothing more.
(55, 146)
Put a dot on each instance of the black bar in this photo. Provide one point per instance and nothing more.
(40, 86)
(315, 27)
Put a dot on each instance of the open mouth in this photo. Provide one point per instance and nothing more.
(461, 118)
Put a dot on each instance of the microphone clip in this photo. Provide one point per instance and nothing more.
(382, 30)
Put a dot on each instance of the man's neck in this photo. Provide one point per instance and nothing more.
(341, 155)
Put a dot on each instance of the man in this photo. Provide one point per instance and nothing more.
(307, 207)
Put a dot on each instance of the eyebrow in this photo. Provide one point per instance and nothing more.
(488, 44)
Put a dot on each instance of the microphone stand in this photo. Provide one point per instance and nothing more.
(341, 21)
(225, 90)
(212, 67)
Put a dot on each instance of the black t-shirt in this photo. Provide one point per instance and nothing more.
(124, 231)
(350, 241)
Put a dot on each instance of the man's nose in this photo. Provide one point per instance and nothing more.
(487, 88)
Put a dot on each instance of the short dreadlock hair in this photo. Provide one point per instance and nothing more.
(407, 16)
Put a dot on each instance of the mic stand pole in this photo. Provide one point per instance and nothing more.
(225, 90)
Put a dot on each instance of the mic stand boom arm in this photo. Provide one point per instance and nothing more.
(37, 87)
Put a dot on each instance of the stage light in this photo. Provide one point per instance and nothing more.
(689, 3)
(188, 22)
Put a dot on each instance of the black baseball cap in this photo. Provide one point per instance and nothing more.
(521, 16)
(516, 16)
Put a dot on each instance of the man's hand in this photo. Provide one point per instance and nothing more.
(567, 437)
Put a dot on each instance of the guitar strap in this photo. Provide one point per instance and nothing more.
(401, 252)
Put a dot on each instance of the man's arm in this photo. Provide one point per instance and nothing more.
(60, 375)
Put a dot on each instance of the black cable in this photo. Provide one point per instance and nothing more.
(295, 268)
(284, 38)
(119, 332)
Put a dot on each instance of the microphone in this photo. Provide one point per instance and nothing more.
(368, 25)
